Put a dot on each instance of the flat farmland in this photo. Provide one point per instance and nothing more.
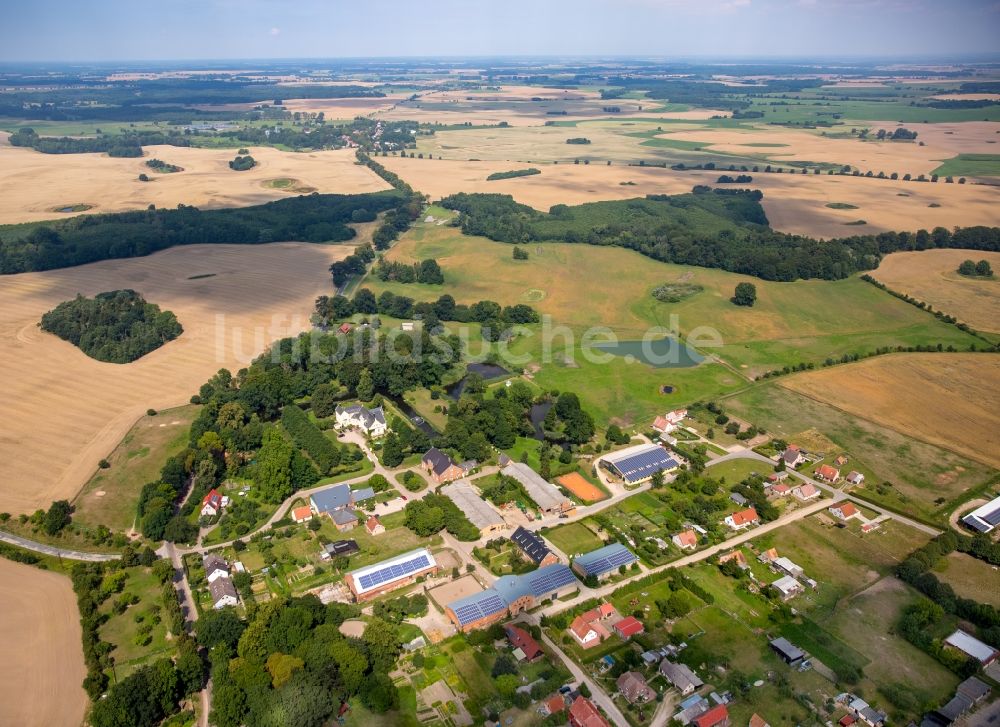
(970, 577)
(931, 276)
(65, 411)
(33, 186)
(794, 203)
(950, 400)
(41, 677)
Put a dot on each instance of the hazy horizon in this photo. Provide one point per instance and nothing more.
(56, 31)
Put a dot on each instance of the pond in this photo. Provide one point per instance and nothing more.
(660, 353)
(537, 415)
(418, 421)
(486, 370)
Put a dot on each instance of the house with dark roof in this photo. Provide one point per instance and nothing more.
(223, 593)
(680, 676)
(215, 567)
(985, 518)
(440, 466)
(521, 641)
(533, 547)
(632, 686)
(344, 520)
(793, 456)
(338, 548)
(789, 653)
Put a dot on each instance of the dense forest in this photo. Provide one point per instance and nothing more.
(115, 327)
(118, 145)
(88, 238)
(721, 228)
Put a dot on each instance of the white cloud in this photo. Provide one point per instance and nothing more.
(275, 31)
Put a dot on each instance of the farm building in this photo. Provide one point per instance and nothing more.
(374, 580)
(510, 594)
(338, 548)
(972, 647)
(845, 511)
(546, 495)
(523, 642)
(370, 421)
(440, 466)
(583, 713)
(787, 566)
(680, 676)
(632, 686)
(604, 561)
(638, 464)
(788, 587)
(985, 518)
(789, 653)
(476, 509)
(742, 519)
(628, 627)
(533, 547)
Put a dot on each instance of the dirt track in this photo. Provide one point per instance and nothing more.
(64, 411)
(41, 676)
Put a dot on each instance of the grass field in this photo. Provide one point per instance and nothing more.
(121, 630)
(573, 538)
(971, 165)
(970, 577)
(946, 399)
(925, 478)
(110, 496)
(737, 470)
(932, 276)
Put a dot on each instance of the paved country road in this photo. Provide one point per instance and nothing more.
(53, 550)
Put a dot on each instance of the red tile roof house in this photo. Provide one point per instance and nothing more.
(555, 704)
(583, 713)
(521, 639)
(742, 519)
(757, 721)
(715, 717)
(374, 526)
(806, 492)
(302, 514)
(686, 539)
(345, 328)
(588, 630)
(845, 511)
(212, 503)
(628, 627)
(827, 473)
(779, 490)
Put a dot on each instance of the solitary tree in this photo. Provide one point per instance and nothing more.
(746, 294)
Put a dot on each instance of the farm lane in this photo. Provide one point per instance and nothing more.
(53, 550)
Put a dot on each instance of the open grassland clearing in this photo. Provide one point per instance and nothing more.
(925, 478)
(65, 411)
(794, 203)
(970, 577)
(949, 400)
(136, 640)
(42, 674)
(931, 276)
(110, 496)
(33, 184)
(972, 165)
(574, 538)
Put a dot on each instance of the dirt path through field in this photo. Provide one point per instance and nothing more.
(41, 676)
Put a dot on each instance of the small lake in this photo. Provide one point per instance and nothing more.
(486, 370)
(537, 416)
(660, 353)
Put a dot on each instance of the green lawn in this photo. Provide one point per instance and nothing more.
(137, 460)
(737, 470)
(120, 630)
(573, 538)
(971, 165)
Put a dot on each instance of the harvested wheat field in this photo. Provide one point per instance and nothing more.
(64, 411)
(34, 186)
(794, 203)
(344, 108)
(41, 675)
(950, 400)
(931, 276)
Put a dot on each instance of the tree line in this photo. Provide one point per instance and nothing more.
(117, 145)
(727, 231)
(89, 238)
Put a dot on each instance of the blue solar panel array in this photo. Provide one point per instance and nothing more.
(393, 572)
(550, 578)
(605, 559)
(644, 464)
(478, 607)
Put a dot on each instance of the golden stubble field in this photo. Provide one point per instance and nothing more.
(794, 203)
(34, 185)
(931, 276)
(63, 411)
(951, 400)
(41, 676)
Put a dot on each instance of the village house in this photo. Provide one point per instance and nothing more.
(757, 721)
(344, 520)
(583, 713)
(632, 686)
(587, 628)
(370, 421)
(717, 716)
(213, 503)
(735, 555)
(855, 478)
(302, 514)
(776, 477)
(553, 705)
(524, 645)
(533, 547)
(793, 456)
(845, 510)
(742, 519)
(787, 587)
(827, 473)
(669, 421)
(440, 466)
(223, 593)
(680, 676)
(768, 555)
(374, 526)
(805, 492)
(786, 566)
(344, 327)
(215, 567)
(778, 490)
(840, 460)
(686, 539)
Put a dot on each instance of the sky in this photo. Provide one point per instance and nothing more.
(115, 30)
